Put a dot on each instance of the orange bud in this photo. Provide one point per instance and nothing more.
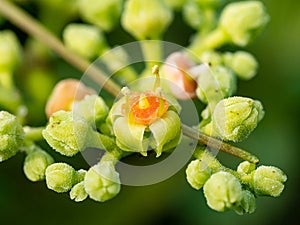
(65, 93)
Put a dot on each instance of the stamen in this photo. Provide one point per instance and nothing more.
(155, 71)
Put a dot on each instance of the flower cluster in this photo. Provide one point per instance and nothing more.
(147, 121)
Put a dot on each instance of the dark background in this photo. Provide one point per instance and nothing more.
(275, 142)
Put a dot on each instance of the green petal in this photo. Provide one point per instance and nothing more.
(130, 136)
(164, 130)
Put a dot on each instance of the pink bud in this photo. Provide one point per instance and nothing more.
(176, 69)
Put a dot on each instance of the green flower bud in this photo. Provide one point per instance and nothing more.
(193, 14)
(222, 191)
(85, 40)
(247, 203)
(212, 58)
(35, 165)
(102, 182)
(243, 21)
(68, 134)
(235, 118)
(175, 4)
(60, 177)
(80, 174)
(92, 108)
(197, 173)
(268, 180)
(11, 135)
(243, 64)
(214, 83)
(78, 192)
(245, 168)
(104, 13)
(10, 51)
(146, 19)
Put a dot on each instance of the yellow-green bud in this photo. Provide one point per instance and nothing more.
(193, 14)
(80, 174)
(85, 40)
(68, 134)
(78, 192)
(60, 177)
(216, 83)
(222, 191)
(197, 173)
(102, 182)
(212, 58)
(268, 180)
(92, 108)
(243, 64)
(146, 19)
(11, 135)
(243, 21)
(175, 4)
(35, 165)
(10, 51)
(235, 118)
(247, 203)
(104, 13)
(245, 168)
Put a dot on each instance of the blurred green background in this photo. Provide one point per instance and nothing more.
(275, 142)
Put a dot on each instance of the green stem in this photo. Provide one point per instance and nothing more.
(212, 40)
(33, 133)
(32, 27)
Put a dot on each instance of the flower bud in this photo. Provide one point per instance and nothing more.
(102, 182)
(146, 19)
(268, 180)
(243, 64)
(10, 51)
(80, 174)
(85, 40)
(197, 173)
(175, 4)
(243, 21)
(193, 14)
(68, 134)
(222, 191)
(11, 135)
(235, 118)
(35, 165)
(60, 177)
(78, 192)
(175, 70)
(211, 58)
(245, 168)
(92, 108)
(104, 13)
(247, 203)
(214, 83)
(65, 93)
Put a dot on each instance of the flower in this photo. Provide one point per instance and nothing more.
(145, 120)
(65, 93)
(85, 40)
(243, 21)
(243, 64)
(35, 164)
(68, 134)
(78, 192)
(11, 135)
(60, 177)
(222, 191)
(268, 180)
(247, 204)
(146, 19)
(235, 118)
(197, 173)
(175, 69)
(104, 13)
(102, 182)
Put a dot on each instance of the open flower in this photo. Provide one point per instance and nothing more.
(145, 120)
